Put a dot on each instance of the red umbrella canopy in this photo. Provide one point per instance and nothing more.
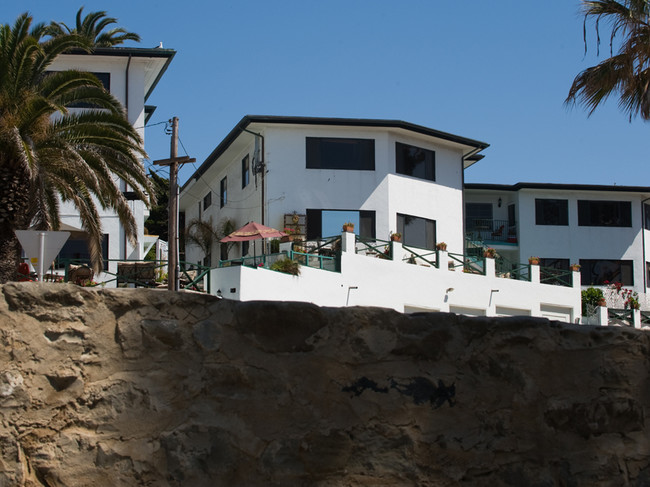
(253, 231)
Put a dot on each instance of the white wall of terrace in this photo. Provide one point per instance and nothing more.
(369, 281)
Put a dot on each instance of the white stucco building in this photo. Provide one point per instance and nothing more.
(602, 228)
(314, 174)
(131, 75)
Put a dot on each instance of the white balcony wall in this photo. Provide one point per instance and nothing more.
(119, 248)
(369, 281)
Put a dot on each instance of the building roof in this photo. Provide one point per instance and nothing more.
(161, 58)
(470, 159)
(556, 186)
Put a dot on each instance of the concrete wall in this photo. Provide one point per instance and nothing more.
(116, 66)
(370, 281)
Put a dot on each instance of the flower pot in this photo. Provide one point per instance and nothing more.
(348, 228)
(533, 261)
(395, 238)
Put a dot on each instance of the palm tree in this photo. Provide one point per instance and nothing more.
(628, 72)
(49, 154)
(91, 27)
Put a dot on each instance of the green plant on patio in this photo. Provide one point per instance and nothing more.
(287, 266)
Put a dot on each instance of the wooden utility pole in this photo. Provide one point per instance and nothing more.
(173, 268)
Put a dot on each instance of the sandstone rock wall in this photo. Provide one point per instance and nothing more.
(142, 387)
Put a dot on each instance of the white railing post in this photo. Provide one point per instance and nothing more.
(490, 267)
(348, 242)
(397, 251)
(601, 315)
(576, 279)
(534, 273)
(636, 318)
(443, 260)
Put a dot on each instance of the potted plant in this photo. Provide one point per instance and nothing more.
(292, 233)
(441, 246)
(575, 267)
(395, 237)
(490, 252)
(602, 302)
(348, 227)
(533, 260)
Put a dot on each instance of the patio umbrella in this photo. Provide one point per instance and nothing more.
(253, 231)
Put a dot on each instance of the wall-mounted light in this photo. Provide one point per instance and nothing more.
(449, 290)
(499, 202)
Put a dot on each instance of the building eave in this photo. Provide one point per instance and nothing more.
(474, 145)
(559, 187)
(135, 52)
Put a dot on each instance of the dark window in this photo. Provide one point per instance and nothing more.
(414, 161)
(604, 213)
(223, 190)
(551, 212)
(601, 272)
(478, 216)
(554, 270)
(207, 200)
(647, 273)
(646, 210)
(245, 247)
(207, 261)
(339, 153)
(77, 249)
(223, 251)
(329, 223)
(245, 171)
(105, 80)
(416, 231)
(511, 216)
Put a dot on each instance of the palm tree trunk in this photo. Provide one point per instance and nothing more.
(14, 209)
(9, 253)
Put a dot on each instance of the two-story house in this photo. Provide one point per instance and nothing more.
(131, 75)
(602, 228)
(314, 174)
(383, 175)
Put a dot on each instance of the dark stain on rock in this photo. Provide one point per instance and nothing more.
(422, 390)
(360, 385)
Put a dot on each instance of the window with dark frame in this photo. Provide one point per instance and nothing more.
(601, 272)
(595, 213)
(340, 153)
(77, 248)
(555, 270)
(315, 222)
(551, 211)
(478, 216)
(416, 231)
(245, 171)
(223, 192)
(207, 200)
(646, 216)
(415, 161)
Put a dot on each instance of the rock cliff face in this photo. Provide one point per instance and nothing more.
(140, 387)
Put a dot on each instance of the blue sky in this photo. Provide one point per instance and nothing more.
(494, 71)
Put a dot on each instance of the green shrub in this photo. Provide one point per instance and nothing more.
(590, 300)
(287, 266)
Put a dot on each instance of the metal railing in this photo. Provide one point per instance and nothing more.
(487, 229)
(469, 264)
(421, 256)
(557, 277)
(264, 260)
(134, 272)
(620, 317)
(373, 247)
(316, 261)
(511, 270)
